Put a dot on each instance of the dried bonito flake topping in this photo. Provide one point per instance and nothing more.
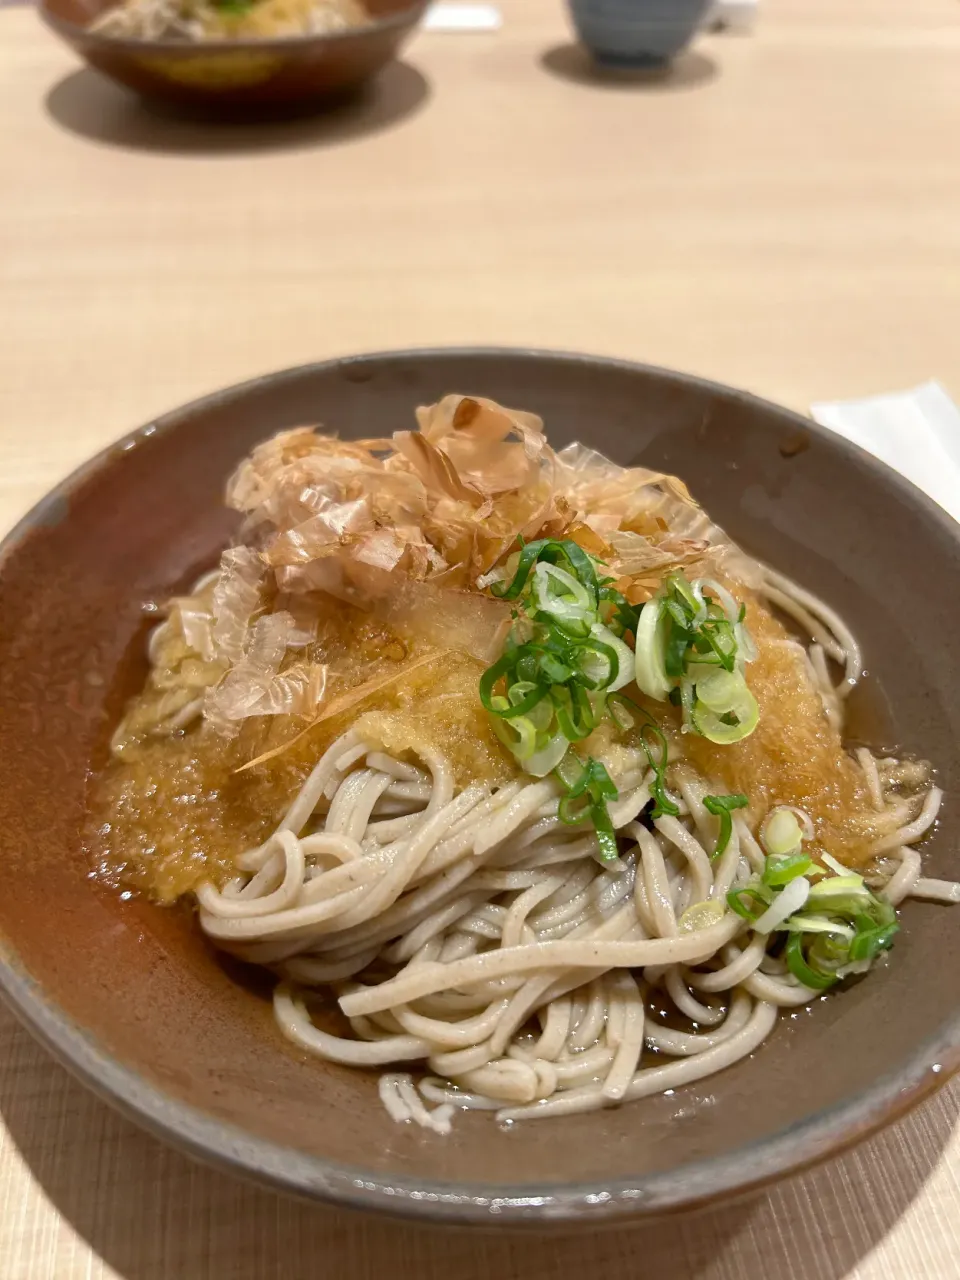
(449, 501)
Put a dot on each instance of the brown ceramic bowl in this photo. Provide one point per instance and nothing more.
(296, 73)
(132, 999)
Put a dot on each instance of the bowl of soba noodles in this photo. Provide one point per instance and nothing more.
(486, 785)
(237, 56)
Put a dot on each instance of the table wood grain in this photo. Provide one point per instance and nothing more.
(783, 213)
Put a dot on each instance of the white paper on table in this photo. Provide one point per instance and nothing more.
(915, 432)
(462, 17)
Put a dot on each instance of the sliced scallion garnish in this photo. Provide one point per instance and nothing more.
(868, 943)
(750, 901)
(781, 832)
(655, 746)
(554, 552)
(814, 978)
(691, 647)
(722, 807)
(588, 789)
(701, 915)
(779, 871)
(835, 925)
(559, 674)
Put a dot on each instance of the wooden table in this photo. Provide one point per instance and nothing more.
(783, 214)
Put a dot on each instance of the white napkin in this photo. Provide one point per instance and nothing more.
(463, 17)
(916, 432)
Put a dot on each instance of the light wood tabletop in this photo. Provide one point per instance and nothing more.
(783, 214)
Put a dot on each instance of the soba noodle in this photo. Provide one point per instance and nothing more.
(471, 936)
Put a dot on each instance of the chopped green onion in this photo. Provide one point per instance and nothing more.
(606, 836)
(719, 690)
(786, 903)
(815, 979)
(488, 681)
(662, 804)
(691, 637)
(836, 867)
(517, 734)
(842, 895)
(737, 722)
(700, 915)
(722, 807)
(547, 756)
(588, 788)
(830, 948)
(687, 598)
(868, 944)
(650, 668)
(569, 770)
(737, 900)
(619, 709)
(571, 609)
(540, 714)
(624, 655)
(883, 910)
(679, 641)
(593, 780)
(616, 611)
(551, 551)
(781, 833)
(802, 923)
(575, 717)
(780, 871)
(553, 585)
(565, 658)
(573, 810)
(599, 664)
(835, 926)
(833, 885)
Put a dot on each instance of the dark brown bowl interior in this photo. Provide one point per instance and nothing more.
(240, 76)
(133, 1000)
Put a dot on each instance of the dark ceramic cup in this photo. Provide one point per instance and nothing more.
(637, 33)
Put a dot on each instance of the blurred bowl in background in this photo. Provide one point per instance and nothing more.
(240, 77)
(637, 33)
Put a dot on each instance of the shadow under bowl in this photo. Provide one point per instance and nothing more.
(637, 33)
(240, 78)
(133, 1000)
